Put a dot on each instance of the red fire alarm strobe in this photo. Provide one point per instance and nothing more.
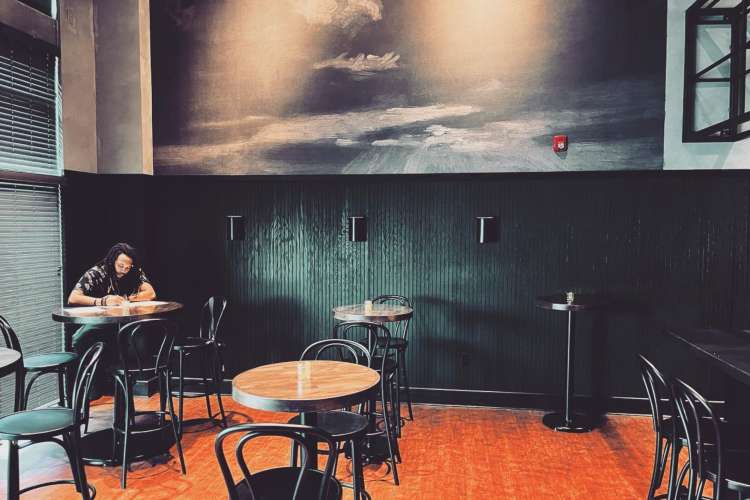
(560, 143)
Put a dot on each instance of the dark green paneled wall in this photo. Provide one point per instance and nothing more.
(667, 247)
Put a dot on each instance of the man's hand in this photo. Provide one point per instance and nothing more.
(113, 300)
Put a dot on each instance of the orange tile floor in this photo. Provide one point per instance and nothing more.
(448, 453)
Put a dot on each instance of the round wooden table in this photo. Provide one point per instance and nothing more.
(97, 445)
(378, 313)
(102, 315)
(567, 420)
(305, 387)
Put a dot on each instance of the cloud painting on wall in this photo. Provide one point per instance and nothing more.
(396, 86)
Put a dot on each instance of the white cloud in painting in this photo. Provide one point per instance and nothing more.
(237, 122)
(348, 15)
(361, 65)
(352, 125)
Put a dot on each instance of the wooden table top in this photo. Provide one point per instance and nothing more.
(381, 313)
(96, 315)
(8, 359)
(581, 302)
(304, 386)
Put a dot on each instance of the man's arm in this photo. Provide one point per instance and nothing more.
(77, 298)
(145, 292)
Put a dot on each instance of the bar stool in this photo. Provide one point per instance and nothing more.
(46, 424)
(208, 347)
(345, 427)
(149, 340)
(400, 342)
(60, 363)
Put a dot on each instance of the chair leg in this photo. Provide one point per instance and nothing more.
(61, 387)
(217, 388)
(206, 392)
(180, 393)
(126, 435)
(19, 389)
(11, 467)
(76, 442)
(177, 435)
(358, 479)
(72, 459)
(674, 486)
(405, 374)
(293, 454)
(655, 471)
(387, 426)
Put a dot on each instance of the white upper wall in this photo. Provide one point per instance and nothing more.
(679, 155)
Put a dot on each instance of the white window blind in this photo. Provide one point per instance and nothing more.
(29, 106)
(31, 278)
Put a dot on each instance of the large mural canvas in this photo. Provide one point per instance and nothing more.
(406, 86)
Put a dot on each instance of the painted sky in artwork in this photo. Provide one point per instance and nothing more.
(417, 86)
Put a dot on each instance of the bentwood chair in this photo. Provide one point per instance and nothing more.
(59, 363)
(56, 425)
(377, 340)
(144, 348)
(282, 483)
(709, 459)
(344, 426)
(399, 342)
(207, 347)
(659, 396)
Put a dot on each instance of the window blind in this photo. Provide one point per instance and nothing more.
(29, 106)
(31, 278)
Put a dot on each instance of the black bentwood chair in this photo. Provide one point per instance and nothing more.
(665, 428)
(208, 348)
(344, 426)
(45, 425)
(708, 457)
(399, 342)
(282, 483)
(144, 349)
(60, 363)
(378, 344)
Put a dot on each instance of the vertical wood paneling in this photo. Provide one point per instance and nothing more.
(669, 247)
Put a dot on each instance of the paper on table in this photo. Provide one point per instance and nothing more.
(83, 309)
(146, 303)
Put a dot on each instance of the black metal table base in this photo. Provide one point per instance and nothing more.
(578, 422)
(96, 447)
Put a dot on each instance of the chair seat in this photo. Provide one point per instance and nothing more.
(189, 343)
(395, 343)
(278, 484)
(36, 423)
(341, 425)
(733, 434)
(389, 367)
(48, 361)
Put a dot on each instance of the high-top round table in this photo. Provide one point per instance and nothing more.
(97, 445)
(305, 387)
(567, 420)
(378, 313)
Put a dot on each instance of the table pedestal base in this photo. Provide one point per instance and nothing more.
(96, 447)
(578, 422)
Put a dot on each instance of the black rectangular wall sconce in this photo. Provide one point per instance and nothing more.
(486, 229)
(357, 228)
(235, 227)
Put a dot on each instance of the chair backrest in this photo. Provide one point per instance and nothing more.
(659, 394)
(702, 440)
(339, 350)
(213, 311)
(9, 336)
(145, 346)
(289, 431)
(353, 330)
(398, 329)
(84, 376)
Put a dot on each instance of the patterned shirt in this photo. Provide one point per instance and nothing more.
(96, 282)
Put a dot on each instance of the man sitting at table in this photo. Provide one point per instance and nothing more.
(116, 279)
